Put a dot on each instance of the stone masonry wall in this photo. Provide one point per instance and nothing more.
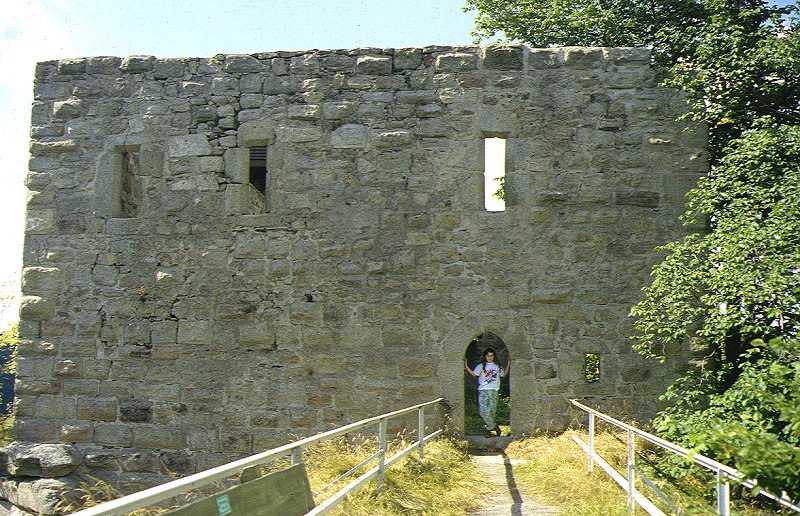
(173, 317)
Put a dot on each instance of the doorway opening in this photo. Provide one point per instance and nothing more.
(473, 424)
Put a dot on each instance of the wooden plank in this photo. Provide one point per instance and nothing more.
(285, 492)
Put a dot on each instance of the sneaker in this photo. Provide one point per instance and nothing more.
(489, 433)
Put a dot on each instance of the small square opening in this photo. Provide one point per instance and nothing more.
(258, 168)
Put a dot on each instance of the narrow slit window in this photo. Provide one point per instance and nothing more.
(128, 201)
(258, 168)
(494, 174)
(591, 367)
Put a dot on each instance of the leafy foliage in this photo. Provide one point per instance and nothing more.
(739, 281)
(755, 424)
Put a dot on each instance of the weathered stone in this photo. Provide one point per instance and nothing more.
(237, 63)
(41, 496)
(350, 136)
(23, 459)
(392, 139)
(502, 57)
(374, 65)
(36, 308)
(137, 64)
(456, 62)
(192, 145)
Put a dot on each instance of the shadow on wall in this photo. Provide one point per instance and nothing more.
(473, 425)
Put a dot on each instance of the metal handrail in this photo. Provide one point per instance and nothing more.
(722, 471)
(295, 450)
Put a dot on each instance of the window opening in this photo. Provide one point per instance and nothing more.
(494, 174)
(128, 195)
(258, 168)
(473, 423)
(591, 367)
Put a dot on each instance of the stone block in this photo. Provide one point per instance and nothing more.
(350, 136)
(73, 66)
(34, 429)
(194, 332)
(304, 65)
(497, 57)
(627, 56)
(583, 58)
(391, 138)
(337, 110)
(40, 221)
(40, 460)
(169, 68)
(36, 308)
(136, 411)
(113, 434)
(67, 369)
(543, 58)
(42, 496)
(642, 198)
(66, 109)
(338, 62)
(456, 62)
(137, 64)
(299, 134)
(189, 145)
(97, 409)
(258, 133)
(304, 112)
(274, 85)
(374, 65)
(242, 63)
(158, 437)
(407, 58)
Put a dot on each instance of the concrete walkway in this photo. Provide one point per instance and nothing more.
(505, 498)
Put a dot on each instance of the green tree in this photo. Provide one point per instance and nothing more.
(735, 280)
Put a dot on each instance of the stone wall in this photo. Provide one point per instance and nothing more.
(174, 317)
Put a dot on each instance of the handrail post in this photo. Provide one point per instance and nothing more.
(631, 473)
(591, 441)
(723, 494)
(382, 457)
(297, 456)
(421, 433)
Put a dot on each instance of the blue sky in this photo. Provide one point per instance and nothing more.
(39, 30)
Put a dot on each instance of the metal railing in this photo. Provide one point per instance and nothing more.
(724, 474)
(295, 451)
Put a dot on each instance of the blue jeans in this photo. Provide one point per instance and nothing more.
(487, 406)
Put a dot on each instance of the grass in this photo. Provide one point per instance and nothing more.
(556, 474)
(444, 482)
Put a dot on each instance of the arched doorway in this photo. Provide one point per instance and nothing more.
(473, 424)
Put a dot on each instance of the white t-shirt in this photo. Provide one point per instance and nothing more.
(488, 377)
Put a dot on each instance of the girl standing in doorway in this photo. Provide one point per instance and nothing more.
(488, 374)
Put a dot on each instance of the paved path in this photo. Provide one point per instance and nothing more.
(505, 499)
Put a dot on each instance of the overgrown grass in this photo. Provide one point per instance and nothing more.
(556, 474)
(444, 482)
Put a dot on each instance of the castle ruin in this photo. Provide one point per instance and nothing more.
(225, 252)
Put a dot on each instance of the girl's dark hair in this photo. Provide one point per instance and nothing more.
(486, 352)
